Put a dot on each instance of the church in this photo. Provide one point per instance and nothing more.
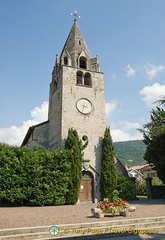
(76, 100)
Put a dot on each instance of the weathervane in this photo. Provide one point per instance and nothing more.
(75, 14)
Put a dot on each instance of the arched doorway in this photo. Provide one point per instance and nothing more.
(86, 187)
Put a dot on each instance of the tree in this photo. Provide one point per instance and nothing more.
(154, 138)
(159, 127)
(74, 144)
(108, 181)
(161, 101)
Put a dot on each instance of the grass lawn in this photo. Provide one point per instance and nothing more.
(142, 196)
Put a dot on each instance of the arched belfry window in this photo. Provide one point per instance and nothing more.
(87, 79)
(65, 60)
(83, 62)
(79, 78)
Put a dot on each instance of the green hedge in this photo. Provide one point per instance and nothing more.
(33, 176)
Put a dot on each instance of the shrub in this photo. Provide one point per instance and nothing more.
(33, 176)
(124, 186)
(141, 187)
(157, 182)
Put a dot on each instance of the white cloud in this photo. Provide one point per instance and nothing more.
(40, 113)
(14, 135)
(120, 131)
(130, 71)
(119, 136)
(152, 70)
(127, 126)
(152, 93)
(110, 107)
(124, 131)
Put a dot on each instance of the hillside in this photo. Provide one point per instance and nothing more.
(130, 152)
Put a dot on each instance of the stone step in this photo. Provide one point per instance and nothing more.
(83, 229)
(160, 229)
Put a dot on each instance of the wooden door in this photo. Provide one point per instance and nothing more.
(86, 190)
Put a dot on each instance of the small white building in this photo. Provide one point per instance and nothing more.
(142, 171)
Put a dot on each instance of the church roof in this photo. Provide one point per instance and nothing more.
(30, 131)
(75, 44)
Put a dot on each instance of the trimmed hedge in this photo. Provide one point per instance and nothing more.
(33, 176)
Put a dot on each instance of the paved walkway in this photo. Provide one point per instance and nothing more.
(14, 217)
(137, 237)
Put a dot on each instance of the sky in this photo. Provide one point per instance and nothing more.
(128, 37)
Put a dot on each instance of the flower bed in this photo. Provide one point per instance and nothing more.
(117, 205)
(109, 207)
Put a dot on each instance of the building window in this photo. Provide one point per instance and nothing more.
(83, 62)
(65, 60)
(84, 138)
(87, 79)
(55, 86)
(79, 78)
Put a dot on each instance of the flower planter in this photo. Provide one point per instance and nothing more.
(131, 208)
(117, 206)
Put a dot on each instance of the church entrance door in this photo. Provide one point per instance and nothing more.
(86, 187)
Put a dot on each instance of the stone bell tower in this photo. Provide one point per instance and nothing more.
(76, 101)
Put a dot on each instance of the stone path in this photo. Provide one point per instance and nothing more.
(15, 217)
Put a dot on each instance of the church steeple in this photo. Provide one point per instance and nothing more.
(75, 46)
(76, 100)
(75, 52)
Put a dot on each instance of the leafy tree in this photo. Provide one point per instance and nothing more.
(158, 127)
(154, 138)
(108, 181)
(161, 101)
(74, 144)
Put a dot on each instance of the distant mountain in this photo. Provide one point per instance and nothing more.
(130, 153)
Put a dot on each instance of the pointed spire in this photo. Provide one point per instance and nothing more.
(75, 45)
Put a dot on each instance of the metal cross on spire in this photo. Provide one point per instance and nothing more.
(75, 14)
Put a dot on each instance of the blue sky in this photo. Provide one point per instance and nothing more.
(128, 36)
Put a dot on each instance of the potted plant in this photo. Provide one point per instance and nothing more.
(116, 206)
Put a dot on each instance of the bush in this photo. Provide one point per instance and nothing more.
(141, 187)
(157, 182)
(33, 176)
(124, 186)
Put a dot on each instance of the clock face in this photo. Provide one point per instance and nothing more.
(84, 106)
